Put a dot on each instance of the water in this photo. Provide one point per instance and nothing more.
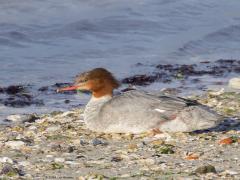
(49, 41)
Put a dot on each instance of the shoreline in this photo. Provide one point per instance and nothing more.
(180, 79)
(58, 145)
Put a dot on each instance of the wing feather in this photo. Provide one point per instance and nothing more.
(139, 101)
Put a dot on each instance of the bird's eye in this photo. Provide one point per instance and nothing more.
(84, 80)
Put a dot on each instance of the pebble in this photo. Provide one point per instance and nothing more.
(10, 170)
(230, 172)
(125, 176)
(59, 160)
(32, 127)
(205, 169)
(157, 142)
(53, 128)
(73, 163)
(22, 118)
(6, 160)
(14, 118)
(96, 142)
(82, 142)
(116, 159)
(132, 147)
(15, 144)
(147, 161)
(234, 83)
(19, 136)
(24, 163)
(49, 156)
(39, 121)
(216, 93)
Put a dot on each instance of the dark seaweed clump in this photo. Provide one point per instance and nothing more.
(167, 73)
(18, 96)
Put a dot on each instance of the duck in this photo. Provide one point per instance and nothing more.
(137, 111)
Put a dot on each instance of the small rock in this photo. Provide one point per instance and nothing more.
(72, 163)
(59, 160)
(132, 147)
(125, 176)
(229, 172)
(116, 159)
(205, 169)
(148, 161)
(53, 128)
(234, 83)
(96, 142)
(82, 142)
(67, 101)
(32, 127)
(70, 149)
(116, 136)
(226, 141)
(28, 176)
(39, 121)
(157, 142)
(6, 160)
(15, 118)
(216, 93)
(19, 137)
(15, 144)
(24, 163)
(22, 118)
(192, 156)
(49, 156)
(9, 170)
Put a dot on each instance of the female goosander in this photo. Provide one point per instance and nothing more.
(136, 111)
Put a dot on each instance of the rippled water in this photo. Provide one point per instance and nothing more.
(49, 41)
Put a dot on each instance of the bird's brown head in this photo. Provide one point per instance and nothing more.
(99, 81)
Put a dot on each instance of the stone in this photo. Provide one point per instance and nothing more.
(15, 144)
(157, 142)
(205, 169)
(32, 127)
(6, 160)
(24, 163)
(116, 159)
(53, 128)
(22, 118)
(234, 83)
(226, 141)
(59, 160)
(229, 172)
(96, 142)
(10, 171)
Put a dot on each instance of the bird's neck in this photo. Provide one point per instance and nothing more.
(94, 107)
(103, 92)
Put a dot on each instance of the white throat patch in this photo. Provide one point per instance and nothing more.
(94, 106)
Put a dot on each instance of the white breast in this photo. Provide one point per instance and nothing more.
(93, 107)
